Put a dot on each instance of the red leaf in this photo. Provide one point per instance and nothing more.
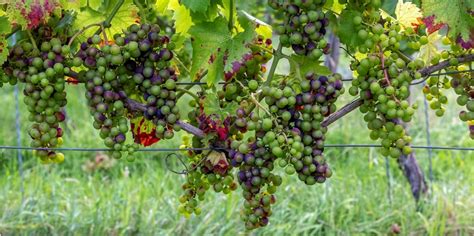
(143, 131)
(430, 24)
(71, 80)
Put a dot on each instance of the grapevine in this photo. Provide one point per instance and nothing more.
(248, 124)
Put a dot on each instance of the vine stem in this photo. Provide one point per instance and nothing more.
(32, 39)
(82, 31)
(403, 56)
(188, 87)
(231, 16)
(107, 21)
(104, 34)
(385, 73)
(278, 55)
(254, 100)
(189, 93)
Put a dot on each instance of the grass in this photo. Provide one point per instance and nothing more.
(141, 198)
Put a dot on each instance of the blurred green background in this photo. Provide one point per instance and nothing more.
(90, 194)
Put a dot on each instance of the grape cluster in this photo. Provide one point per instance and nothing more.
(255, 158)
(215, 173)
(464, 87)
(304, 26)
(149, 62)
(247, 71)
(289, 134)
(383, 84)
(42, 70)
(383, 81)
(136, 65)
(434, 94)
(301, 114)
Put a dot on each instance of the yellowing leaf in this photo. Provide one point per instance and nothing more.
(334, 6)
(263, 28)
(385, 14)
(359, 56)
(215, 157)
(71, 4)
(182, 17)
(225, 9)
(407, 14)
(162, 5)
(429, 50)
(125, 16)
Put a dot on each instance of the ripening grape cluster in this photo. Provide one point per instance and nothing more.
(434, 94)
(383, 81)
(383, 84)
(304, 26)
(255, 159)
(136, 65)
(301, 114)
(42, 70)
(215, 173)
(290, 135)
(464, 88)
(248, 71)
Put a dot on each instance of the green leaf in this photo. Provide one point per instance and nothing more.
(212, 41)
(213, 106)
(65, 22)
(5, 26)
(182, 17)
(300, 66)
(3, 49)
(238, 46)
(345, 28)
(126, 15)
(162, 5)
(74, 5)
(208, 40)
(197, 5)
(455, 13)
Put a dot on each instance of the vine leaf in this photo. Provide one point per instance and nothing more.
(212, 106)
(212, 41)
(407, 14)
(455, 13)
(5, 28)
(180, 13)
(143, 131)
(74, 5)
(162, 5)
(197, 5)
(182, 17)
(430, 50)
(300, 66)
(127, 13)
(334, 6)
(345, 28)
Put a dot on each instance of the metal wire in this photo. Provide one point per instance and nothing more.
(180, 158)
(344, 80)
(76, 149)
